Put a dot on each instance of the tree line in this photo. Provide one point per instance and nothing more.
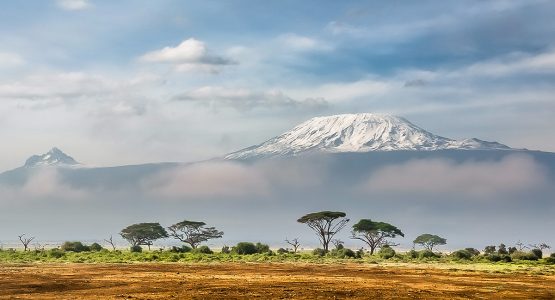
(325, 224)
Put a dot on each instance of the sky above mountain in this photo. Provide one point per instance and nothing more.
(123, 82)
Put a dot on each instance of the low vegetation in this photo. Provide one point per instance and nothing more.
(377, 236)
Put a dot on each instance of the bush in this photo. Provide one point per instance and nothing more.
(243, 248)
(386, 252)
(494, 257)
(427, 254)
(552, 255)
(412, 254)
(182, 249)
(360, 253)
(506, 258)
(342, 252)
(262, 248)
(319, 252)
(95, 247)
(550, 260)
(538, 253)
(462, 254)
(203, 249)
(55, 253)
(520, 255)
(74, 247)
(282, 251)
(136, 249)
(226, 250)
(473, 251)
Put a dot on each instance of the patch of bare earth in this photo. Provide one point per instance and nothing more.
(263, 281)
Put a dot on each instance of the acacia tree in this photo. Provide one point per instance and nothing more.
(374, 234)
(25, 241)
(143, 234)
(429, 241)
(326, 224)
(193, 233)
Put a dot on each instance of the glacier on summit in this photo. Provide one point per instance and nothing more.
(363, 132)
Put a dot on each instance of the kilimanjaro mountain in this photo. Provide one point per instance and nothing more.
(356, 133)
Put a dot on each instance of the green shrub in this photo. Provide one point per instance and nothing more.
(74, 247)
(462, 254)
(427, 254)
(552, 255)
(538, 253)
(506, 258)
(262, 248)
(319, 252)
(243, 248)
(282, 251)
(96, 247)
(550, 260)
(136, 249)
(55, 253)
(360, 253)
(494, 257)
(182, 249)
(473, 251)
(203, 249)
(386, 252)
(412, 254)
(342, 252)
(520, 255)
(226, 250)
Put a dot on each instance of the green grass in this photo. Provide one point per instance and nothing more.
(105, 256)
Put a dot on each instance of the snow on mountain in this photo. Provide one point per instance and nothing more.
(54, 157)
(358, 133)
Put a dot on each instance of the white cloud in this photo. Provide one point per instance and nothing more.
(52, 89)
(43, 183)
(476, 179)
(73, 4)
(301, 43)
(244, 99)
(189, 55)
(8, 59)
(512, 64)
(208, 180)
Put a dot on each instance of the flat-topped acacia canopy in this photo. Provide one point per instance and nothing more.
(326, 215)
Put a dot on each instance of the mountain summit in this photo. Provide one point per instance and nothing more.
(54, 157)
(358, 133)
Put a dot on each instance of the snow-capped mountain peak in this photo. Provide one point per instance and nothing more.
(54, 157)
(358, 133)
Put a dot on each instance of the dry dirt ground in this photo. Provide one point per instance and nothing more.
(264, 281)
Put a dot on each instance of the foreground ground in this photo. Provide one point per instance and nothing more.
(271, 280)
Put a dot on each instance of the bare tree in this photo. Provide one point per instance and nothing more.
(541, 246)
(294, 243)
(111, 242)
(521, 245)
(25, 241)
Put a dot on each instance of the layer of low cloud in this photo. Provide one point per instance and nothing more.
(208, 180)
(516, 173)
(189, 55)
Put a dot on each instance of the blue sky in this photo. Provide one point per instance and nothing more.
(148, 81)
